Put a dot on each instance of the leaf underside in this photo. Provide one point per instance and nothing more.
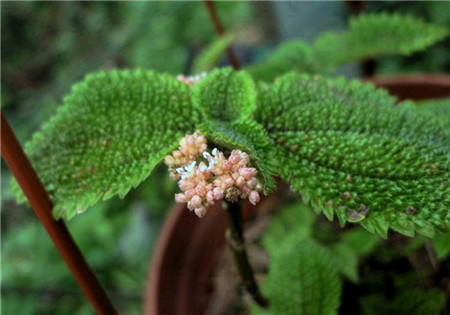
(345, 147)
(110, 133)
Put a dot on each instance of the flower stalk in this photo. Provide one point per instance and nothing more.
(236, 243)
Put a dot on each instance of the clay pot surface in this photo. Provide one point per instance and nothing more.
(181, 271)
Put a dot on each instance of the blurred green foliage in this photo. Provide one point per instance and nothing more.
(46, 48)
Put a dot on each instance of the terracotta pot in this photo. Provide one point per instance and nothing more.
(415, 86)
(180, 279)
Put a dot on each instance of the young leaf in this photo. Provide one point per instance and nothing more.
(302, 277)
(113, 129)
(208, 59)
(372, 35)
(349, 150)
(293, 55)
(248, 136)
(225, 95)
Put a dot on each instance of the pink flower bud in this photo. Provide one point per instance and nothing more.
(218, 193)
(180, 198)
(210, 197)
(240, 181)
(247, 172)
(196, 201)
(253, 197)
(200, 212)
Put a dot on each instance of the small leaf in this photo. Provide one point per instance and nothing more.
(372, 35)
(226, 95)
(248, 136)
(346, 261)
(289, 56)
(302, 277)
(442, 246)
(113, 129)
(344, 145)
(210, 56)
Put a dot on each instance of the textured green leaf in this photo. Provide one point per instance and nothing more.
(293, 55)
(110, 133)
(439, 107)
(302, 279)
(409, 302)
(372, 35)
(349, 150)
(210, 56)
(248, 136)
(226, 95)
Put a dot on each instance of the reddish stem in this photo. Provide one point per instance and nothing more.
(232, 57)
(33, 189)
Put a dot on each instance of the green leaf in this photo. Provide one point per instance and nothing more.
(302, 277)
(346, 261)
(408, 302)
(225, 95)
(442, 246)
(296, 218)
(372, 35)
(110, 133)
(209, 57)
(360, 241)
(289, 56)
(349, 150)
(439, 107)
(248, 136)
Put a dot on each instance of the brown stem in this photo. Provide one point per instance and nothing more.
(236, 242)
(33, 189)
(232, 57)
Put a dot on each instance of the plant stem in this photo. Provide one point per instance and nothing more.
(236, 242)
(33, 189)
(232, 57)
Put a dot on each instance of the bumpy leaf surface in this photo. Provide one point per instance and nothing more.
(226, 95)
(372, 35)
(110, 133)
(302, 279)
(350, 151)
(228, 99)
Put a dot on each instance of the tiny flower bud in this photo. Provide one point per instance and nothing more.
(200, 212)
(253, 197)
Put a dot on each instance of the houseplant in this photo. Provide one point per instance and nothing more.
(110, 148)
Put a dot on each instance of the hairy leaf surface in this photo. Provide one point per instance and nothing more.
(110, 133)
(226, 95)
(350, 151)
(372, 35)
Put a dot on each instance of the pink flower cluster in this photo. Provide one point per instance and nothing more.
(191, 147)
(191, 80)
(217, 178)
